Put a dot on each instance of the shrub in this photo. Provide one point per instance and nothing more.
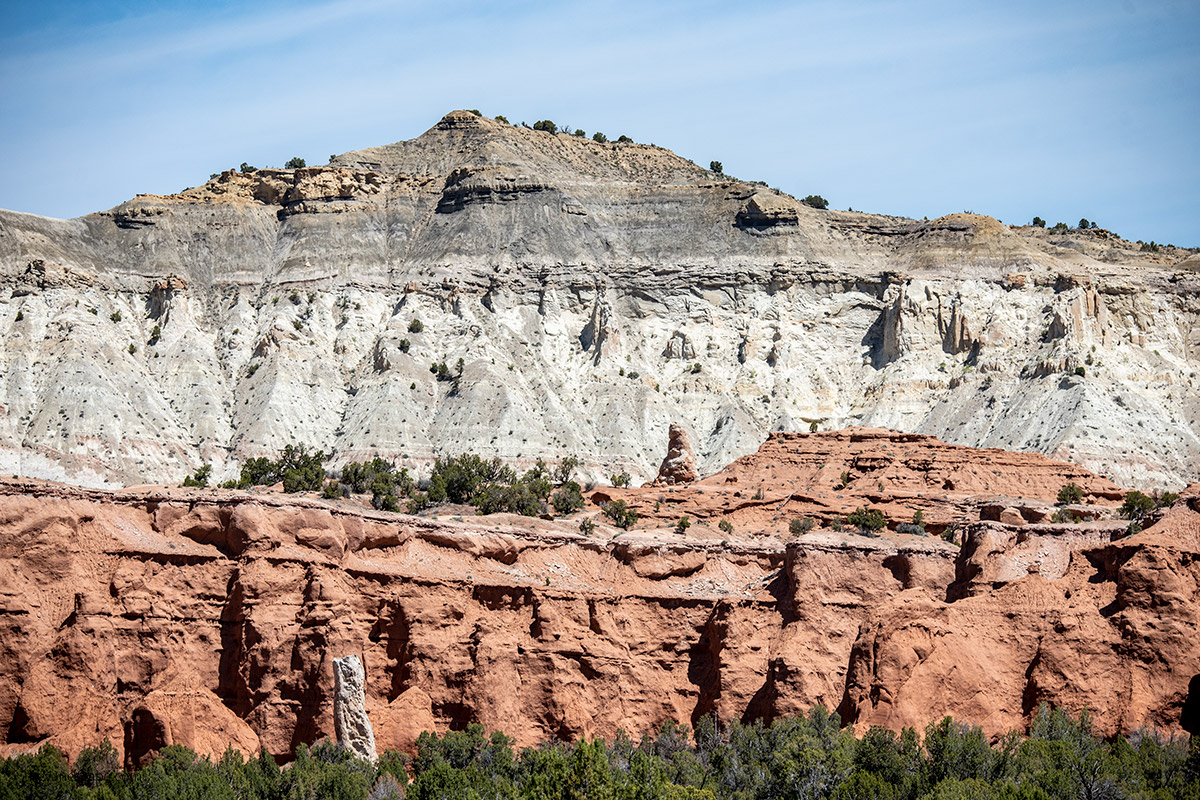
(1060, 226)
(1081, 372)
(456, 478)
(565, 469)
(381, 478)
(1038, 222)
(919, 519)
(295, 163)
(717, 167)
(20, 316)
(332, 490)
(909, 529)
(812, 427)
(599, 137)
(115, 316)
(845, 480)
(200, 477)
(1084, 224)
(416, 326)
(1063, 516)
(682, 526)
(580, 133)
(1070, 493)
(621, 480)
(815, 201)
(568, 498)
(246, 169)
(623, 139)
(132, 348)
(298, 470)
(867, 520)
(587, 526)
(798, 527)
(502, 118)
(474, 111)
(620, 513)
(94, 764)
(404, 345)
(155, 335)
(545, 125)
(1136, 506)
(725, 525)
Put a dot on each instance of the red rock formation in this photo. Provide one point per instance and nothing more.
(209, 617)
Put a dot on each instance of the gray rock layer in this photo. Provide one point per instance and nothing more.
(595, 293)
(350, 720)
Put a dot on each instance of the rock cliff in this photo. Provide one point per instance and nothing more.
(208, 617)
(595, 293)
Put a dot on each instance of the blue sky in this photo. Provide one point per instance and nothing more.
(1064, 110)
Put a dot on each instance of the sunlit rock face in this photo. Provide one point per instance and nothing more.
(595, 293)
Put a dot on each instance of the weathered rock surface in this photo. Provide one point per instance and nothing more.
(205, 617)
(350, 720)
(596, 293)
(679, 466)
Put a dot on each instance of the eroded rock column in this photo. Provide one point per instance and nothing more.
(350, 719)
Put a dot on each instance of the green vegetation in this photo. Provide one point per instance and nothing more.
(155, 335)
(502, 118)
(868, 520)
(1060, 226)
(1038, 222)
(620, 480)
(1081, 372)
(726, 526)
(815, 201)
(717, 167)
(812, 427)
(623, 139)
(1137, 504)
(682, 526)
(620, 513)
(800, 526)
(545, 125)
(199, 477)
(381, 478)
(416, 326)
(246, 169)
(845, 480)
(20, 316)
(587, 526)
(296, 468)
(295, 163)
(810, 756)
(1070, 493)
(599, 137)
(115, 316)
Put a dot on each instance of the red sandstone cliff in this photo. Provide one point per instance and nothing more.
(207, 617)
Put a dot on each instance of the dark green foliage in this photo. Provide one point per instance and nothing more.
(568, 498)
(115, 316)
(599, 137)
(1084, 224)
(809, 756)
(796, 527)
(246, 169)
(20, 316)
(332, 490)
(416, 326)
(620, 480)
(565, 469)
(502, 118)
(456, 478)
(620, 513)
(295, 163)
(682, 526)
(1070, 493)
(199, 477)
(1038, 222)
(545, 125)
(812, 427)
(587, 526)
(155, 335)
(1060, 226)
(867, 520)
(844, 480)
(1081, 372)
(815, 201)
(725, 525)
(623, 139)
(1136, 506)
(404, 345)
(580, 132)
(439, 369)
(298, 470)
(716, 166)
(474, 111)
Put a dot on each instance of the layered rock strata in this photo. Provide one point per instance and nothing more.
(595, 293)
(209, 618)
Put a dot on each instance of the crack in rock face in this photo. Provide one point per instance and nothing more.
(350, 719)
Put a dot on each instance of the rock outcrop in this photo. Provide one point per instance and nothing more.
(679, 466)
(209, 617)
(350, 720)
(596, 293)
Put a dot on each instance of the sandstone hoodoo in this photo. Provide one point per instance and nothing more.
(208, 617)
(594, 292)
(680, 464)
(350, 720)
